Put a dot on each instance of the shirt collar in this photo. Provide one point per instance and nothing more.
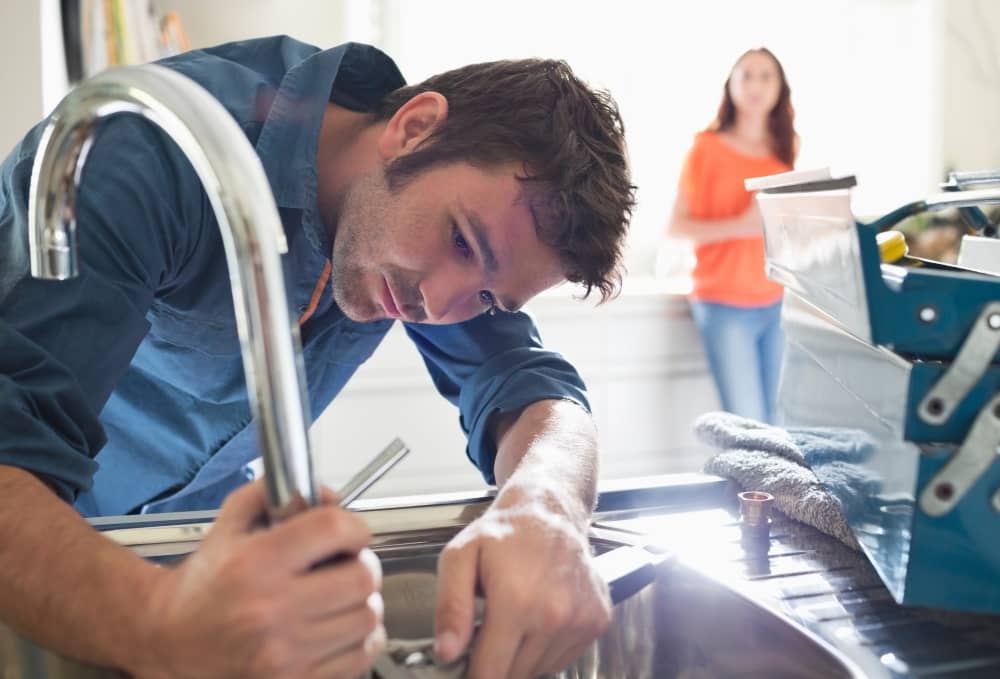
(352, 75)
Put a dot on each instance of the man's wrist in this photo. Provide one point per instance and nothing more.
(541, 498)
(146, 654)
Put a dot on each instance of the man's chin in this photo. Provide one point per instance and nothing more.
(358, 312)
(367, 316)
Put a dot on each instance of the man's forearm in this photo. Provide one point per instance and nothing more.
(548, 452)
(62, 583)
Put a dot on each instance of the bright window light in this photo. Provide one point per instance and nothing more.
(860, 72)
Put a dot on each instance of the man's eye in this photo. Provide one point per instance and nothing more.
(461, 244)
(489, 301)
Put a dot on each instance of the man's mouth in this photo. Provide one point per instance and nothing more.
(389, 301)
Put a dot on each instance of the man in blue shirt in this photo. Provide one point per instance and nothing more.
(445, 205)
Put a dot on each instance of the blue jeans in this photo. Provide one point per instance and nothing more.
(744, 347)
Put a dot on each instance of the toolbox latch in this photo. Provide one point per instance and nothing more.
(947, 488)
(972, 360)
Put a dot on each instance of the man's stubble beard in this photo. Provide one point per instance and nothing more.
(362, 210)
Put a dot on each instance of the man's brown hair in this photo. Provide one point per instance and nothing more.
(570, 139)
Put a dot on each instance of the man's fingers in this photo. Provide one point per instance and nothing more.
(558, 658)
(243, 510)
(351, 662)
(497, 644)
(336, 634)
(317, 534)
(328, 496)
(456, 600)
(339, 586)
(527, 663)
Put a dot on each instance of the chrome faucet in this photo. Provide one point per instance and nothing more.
(241, 199)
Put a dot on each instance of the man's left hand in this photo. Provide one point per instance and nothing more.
(544, 601)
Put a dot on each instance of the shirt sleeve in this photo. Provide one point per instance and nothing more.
(692, 170)
(493, 364)
(65, 344)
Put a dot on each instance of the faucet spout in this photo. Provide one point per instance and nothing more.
(242, 201)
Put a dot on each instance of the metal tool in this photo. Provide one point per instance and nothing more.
(387, 458)
(372, 472)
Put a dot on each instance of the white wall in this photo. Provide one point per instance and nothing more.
(322, 23)
(970, 84)
(33, 74)
(21, 76)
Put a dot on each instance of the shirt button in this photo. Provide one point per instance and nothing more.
(302, 308)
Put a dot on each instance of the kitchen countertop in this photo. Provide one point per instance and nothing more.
(826, 588)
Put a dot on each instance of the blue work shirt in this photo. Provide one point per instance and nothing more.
(123, 388)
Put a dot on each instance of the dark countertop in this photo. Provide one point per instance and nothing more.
(825, 587)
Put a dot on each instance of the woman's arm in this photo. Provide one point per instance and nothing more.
(700, 231)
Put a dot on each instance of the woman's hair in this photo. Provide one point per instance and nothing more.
(781, 120)
(569, 138)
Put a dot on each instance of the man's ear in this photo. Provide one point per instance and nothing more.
(412, 124)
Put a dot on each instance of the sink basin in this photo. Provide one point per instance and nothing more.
(684, 624)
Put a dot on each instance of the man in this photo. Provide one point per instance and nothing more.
(446, 205)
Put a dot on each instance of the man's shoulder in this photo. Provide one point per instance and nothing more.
(243, 75)
(269, 58)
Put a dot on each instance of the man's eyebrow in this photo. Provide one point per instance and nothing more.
(489, 257)
(482, 242)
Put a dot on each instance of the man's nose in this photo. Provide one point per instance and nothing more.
(448, 294)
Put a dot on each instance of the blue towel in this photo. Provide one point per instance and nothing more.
(778, 461)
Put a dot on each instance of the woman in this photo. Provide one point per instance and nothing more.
(735, 306)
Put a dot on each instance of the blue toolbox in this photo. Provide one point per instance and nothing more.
(901, 355)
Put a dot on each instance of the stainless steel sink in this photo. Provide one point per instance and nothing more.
(686, 623)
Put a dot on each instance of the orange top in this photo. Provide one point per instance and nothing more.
(727, 271)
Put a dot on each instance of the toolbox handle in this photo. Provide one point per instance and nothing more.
(959, 180)
(963, 199)
(975, 218)
(940, 201)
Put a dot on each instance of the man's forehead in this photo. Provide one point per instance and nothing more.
(541, 202)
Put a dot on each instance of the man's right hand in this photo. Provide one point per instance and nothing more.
(251, 603)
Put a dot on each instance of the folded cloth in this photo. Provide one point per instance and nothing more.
(812, 445)
(778, 461)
